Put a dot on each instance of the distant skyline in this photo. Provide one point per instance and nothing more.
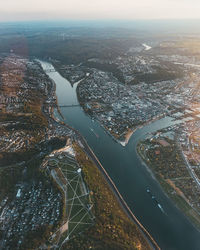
(22, 10)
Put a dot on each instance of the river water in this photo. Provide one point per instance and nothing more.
(170, 228)
(146, 47)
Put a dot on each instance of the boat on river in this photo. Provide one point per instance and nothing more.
(94, 132)
(129, 174)
(155, 200)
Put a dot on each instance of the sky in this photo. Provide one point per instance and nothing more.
(19, 10)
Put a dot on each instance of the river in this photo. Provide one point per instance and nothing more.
(146, 47)
(171, 229)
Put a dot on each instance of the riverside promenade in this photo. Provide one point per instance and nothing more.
(83, 144)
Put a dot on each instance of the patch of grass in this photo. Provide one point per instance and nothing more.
(173, 194)
(112, 228)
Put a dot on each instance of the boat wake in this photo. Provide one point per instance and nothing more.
(94, 132)
(155, 201)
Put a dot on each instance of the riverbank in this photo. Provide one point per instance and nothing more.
(146, 47)
(113, 229)
(127, 137)
(139, 239)
(117, 194)
(168, 184)
(127, 172)
(27, 135)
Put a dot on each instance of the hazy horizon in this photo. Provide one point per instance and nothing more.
(173, 26)
(25, 10)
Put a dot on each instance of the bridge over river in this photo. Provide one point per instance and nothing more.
(171, 229)
(68, 105)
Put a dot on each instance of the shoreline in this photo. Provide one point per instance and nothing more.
(130, 134)
(127, 134)
(85, 147)
(160, 181)
(119, 197)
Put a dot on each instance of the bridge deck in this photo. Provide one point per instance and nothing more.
(72, 105)
(49, 70)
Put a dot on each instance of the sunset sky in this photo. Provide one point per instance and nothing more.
(11, 10)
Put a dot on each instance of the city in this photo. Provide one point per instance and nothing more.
(99, 137)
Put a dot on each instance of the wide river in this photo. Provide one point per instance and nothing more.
(170, 228)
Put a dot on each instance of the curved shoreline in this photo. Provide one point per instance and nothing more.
(122, 202)
(148, 168)
(86, 148)
(113, 187)
(112, 154)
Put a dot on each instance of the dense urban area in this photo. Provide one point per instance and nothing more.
(54, 192)
(151, 83)
(44, 200)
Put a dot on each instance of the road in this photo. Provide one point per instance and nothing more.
(190, 170)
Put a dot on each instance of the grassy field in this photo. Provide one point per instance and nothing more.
(77, 215)
(169, 186)
(112, 228)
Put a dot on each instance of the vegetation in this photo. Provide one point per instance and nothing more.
(113, 229)
(112, 68)
(37, 119)
(172, 174)
(70, 46)
(24, 146)
(187, 46)
(167, 72)
(23, 119)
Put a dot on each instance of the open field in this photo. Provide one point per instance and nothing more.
(112, 228)
(170, 170)
(77, 214)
